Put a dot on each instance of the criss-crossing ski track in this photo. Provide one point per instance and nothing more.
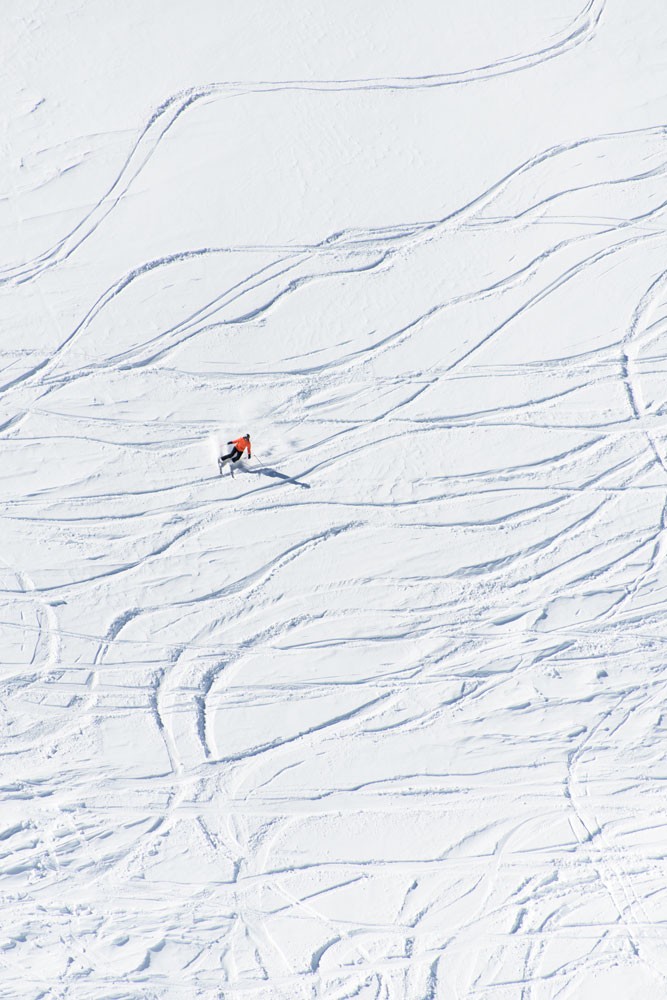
(378, 738)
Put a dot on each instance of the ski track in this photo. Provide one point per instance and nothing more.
(399, 735)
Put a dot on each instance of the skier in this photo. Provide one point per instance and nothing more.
(238, 447)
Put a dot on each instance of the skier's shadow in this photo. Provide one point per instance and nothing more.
(274, 474)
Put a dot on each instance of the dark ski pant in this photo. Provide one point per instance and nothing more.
(234, 454)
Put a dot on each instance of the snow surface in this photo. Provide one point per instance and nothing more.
(382, 716)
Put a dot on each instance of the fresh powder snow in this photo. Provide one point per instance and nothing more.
(380, 712)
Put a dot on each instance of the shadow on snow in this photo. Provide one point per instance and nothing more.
(274, 474)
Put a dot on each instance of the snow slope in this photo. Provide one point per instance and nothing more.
(382, 716)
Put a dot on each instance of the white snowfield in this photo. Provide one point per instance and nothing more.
(383, 715)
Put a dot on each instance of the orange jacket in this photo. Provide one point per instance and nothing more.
(241, 444)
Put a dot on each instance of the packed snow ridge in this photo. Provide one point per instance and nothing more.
(382, 714)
